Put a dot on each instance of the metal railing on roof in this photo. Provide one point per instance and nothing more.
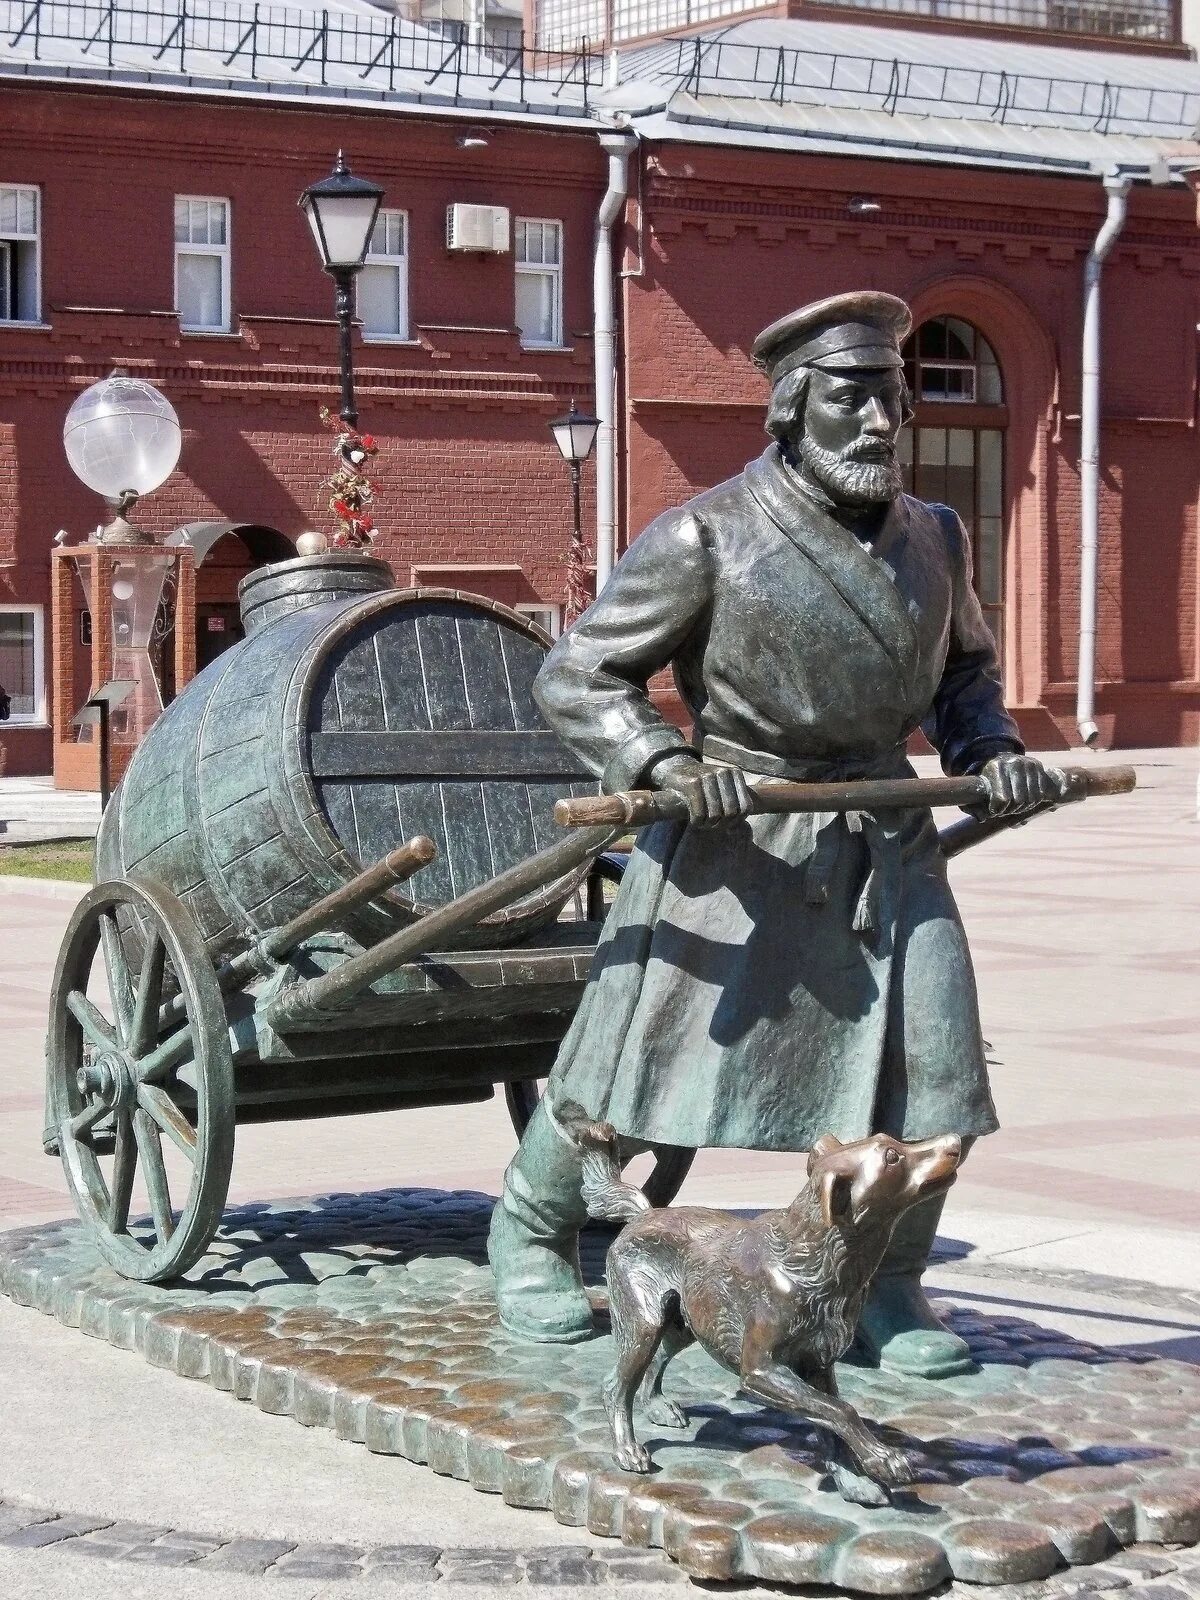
(742, 71)
(193, 36)
(1156, 20)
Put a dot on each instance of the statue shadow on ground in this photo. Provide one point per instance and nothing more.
(305, 1243)
(956, 1434)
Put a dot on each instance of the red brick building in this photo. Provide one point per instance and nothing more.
(148, 219)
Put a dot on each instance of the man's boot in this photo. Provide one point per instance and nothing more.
(899, 1330)
(533, 1244)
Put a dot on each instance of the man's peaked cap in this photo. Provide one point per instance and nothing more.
(863, 330)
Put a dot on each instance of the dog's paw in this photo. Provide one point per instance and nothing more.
(860, 1491)
(898, 1469)
(633, 1458)
(889, 1466)
(664, 1413)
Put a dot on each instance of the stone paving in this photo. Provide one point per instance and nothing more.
(1140, 1572)
(373, 1316)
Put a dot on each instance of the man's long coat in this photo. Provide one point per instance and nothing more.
(765, 981)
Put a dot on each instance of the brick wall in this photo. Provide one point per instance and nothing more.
(1006, 253)
(467, 471)
(729, 239)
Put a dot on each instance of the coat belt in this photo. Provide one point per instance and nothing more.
(832, 828)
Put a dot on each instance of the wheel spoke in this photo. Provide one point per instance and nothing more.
(144, 1029)
(124, 1167)
(178, 1048)
(158, 1103)
(116, 970)
(150, 1148)
(87, 1119)
(96, 1027)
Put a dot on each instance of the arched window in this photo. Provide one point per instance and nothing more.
(954, 450)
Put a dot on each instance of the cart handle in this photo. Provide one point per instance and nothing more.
(639, 808)
(329, 912)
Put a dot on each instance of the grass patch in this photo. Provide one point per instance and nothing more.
(68, 860)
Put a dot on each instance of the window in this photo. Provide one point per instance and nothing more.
(539, 281)
(21, 663)
(547, 617)
(949, 363)
(19, 241)
(202, 263)
(383, 281)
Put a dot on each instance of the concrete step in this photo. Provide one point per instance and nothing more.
(32, 809)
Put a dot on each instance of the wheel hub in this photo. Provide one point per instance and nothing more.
(111, 1076)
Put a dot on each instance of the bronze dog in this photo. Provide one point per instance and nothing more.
(775, 1298)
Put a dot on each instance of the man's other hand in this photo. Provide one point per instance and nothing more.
(711, 794)
(1019, 786)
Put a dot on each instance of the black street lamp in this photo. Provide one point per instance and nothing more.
(341, 211)
(575, 434)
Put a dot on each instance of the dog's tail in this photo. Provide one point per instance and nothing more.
(605, 1193)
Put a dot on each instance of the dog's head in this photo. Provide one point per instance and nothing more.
(878, 1178)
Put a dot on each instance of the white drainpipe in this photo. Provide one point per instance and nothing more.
(1117, 188)
(619, 147)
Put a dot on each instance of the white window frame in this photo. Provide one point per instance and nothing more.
(222, 251)
(537, 610)
(40, 717)
(541, 269)
(371, 259)
(35, 239)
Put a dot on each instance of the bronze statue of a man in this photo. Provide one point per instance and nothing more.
(768, 979)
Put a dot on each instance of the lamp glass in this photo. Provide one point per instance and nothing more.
(342, 225)
(122, 434)
(575, 434)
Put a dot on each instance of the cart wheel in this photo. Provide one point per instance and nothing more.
(111, 1070)
(671, 1167)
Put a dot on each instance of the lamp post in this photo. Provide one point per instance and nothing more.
(341, 211)
(122, 439)
(575, 435)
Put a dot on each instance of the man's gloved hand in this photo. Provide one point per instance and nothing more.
(1020, 786)
(712, 794)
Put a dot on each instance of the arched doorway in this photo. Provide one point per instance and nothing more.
(953, 452)
(224, 553)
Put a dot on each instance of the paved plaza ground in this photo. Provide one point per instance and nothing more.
(1082, 1214)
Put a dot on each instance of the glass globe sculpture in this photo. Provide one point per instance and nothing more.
(122, 435)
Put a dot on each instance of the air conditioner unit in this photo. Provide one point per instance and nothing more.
(477, 228)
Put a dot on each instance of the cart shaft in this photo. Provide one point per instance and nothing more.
(396, 867)
(304, 1001)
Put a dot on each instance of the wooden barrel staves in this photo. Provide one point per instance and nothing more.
(352, 716)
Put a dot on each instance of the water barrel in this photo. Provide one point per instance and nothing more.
(352, 715)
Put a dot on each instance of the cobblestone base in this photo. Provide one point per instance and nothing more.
(373, 1316)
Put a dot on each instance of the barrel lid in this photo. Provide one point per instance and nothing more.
(286, 586)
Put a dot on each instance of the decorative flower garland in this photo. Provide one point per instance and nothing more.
(351, 491)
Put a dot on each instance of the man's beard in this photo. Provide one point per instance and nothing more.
(848, 478)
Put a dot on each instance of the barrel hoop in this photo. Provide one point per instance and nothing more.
(450, 753)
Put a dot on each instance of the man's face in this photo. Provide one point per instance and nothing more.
(846, 438)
